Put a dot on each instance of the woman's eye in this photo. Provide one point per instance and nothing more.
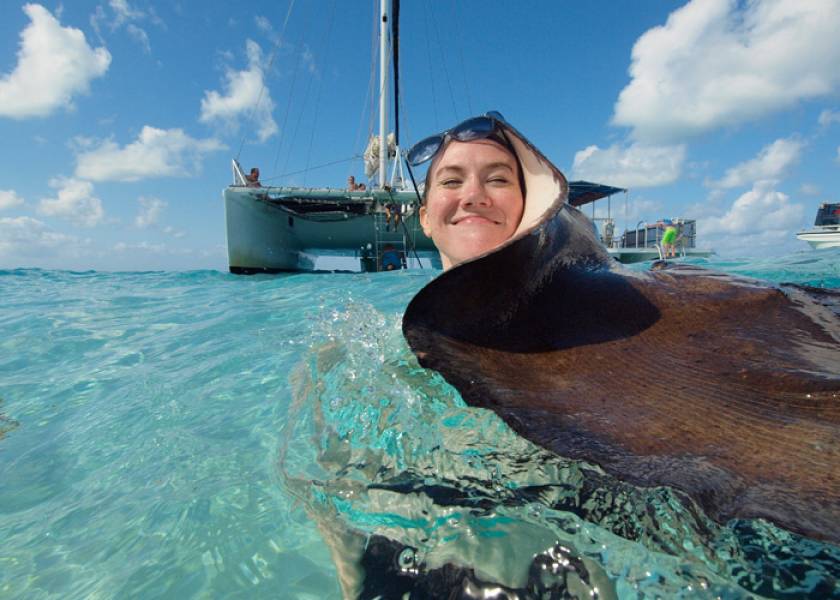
(499, 180)
(450, 182)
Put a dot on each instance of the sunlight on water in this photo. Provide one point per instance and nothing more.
(202, 435)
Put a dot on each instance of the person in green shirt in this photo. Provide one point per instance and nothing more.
(669, 240)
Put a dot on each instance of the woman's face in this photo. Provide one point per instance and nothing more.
(473, 202)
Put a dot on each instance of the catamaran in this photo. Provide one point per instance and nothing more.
(273, 229)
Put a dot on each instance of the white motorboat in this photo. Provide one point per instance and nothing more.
(826, 230)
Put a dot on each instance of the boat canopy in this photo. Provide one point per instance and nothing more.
(828, 214)
(584, 192)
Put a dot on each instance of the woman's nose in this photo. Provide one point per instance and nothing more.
(474, 192)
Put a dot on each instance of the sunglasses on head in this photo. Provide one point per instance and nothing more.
(475, 128)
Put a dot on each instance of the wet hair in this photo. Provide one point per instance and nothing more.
(502, 141)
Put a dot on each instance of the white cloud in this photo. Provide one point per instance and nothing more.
(155, 153)
(810, 189)
(74, 202)
(263, 24)
(54, 64)
(762, 209)
(123, 12)
(142, 246)
(140, 36)
(634, 166)
(309, 59)
(125, 15)
(245, 96)
(771, 163)
(752, 244)
(150, 248)
(176, 233)
(150, 210)
(827, 117)
(25, 238)
(9, 199)
(722, 62)
(637, 208)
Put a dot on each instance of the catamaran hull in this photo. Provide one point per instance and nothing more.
(263, 236)
(821, 239)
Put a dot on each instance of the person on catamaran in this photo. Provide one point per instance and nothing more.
(393, 213)
(353, 186)
(391, 260)
(669, 239)
(253, 178)
(474, 196)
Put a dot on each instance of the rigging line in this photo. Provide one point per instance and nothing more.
(320, 85)
(374, 53)
(405, 126)
(443, 64)
(417, 206)
(299, 120)
(297, 69)
(329, 164)
(460, 47)
(271, 58)
(404, 113)
(413, 242)
(431, 70)
(369, 92)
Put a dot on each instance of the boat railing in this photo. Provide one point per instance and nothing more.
(646, 235)
(238, 175)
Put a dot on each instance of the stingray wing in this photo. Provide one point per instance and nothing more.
(724, 388)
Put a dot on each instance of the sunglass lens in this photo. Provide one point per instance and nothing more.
(424, 150)
(473, 129)
(495, 114)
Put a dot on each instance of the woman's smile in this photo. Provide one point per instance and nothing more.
(474, 220)
(474, 201)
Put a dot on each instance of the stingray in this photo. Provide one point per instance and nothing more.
(724, 388)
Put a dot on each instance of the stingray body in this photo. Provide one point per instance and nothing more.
(721, 387)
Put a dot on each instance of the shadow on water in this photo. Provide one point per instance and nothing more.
(414, 492)
(7, 424)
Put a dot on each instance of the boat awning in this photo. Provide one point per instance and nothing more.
(584, 192)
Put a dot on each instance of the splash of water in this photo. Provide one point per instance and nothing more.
(382, 453)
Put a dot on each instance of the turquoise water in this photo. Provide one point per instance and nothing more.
(200, 435)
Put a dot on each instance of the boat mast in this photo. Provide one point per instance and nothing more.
(383, 91)
(395, 57)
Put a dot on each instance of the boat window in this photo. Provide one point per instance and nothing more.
(828, 214)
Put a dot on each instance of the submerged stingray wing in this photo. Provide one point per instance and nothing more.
(721, 387)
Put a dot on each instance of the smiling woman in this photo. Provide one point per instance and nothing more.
(475, 194)
(474, 202)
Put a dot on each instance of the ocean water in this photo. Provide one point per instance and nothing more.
(204, 435)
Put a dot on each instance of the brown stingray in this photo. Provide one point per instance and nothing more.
(722, 387)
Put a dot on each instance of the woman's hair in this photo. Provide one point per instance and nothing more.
(502, 141)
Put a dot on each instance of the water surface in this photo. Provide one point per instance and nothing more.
(201, 434)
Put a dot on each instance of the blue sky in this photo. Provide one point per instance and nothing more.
(120, 117)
